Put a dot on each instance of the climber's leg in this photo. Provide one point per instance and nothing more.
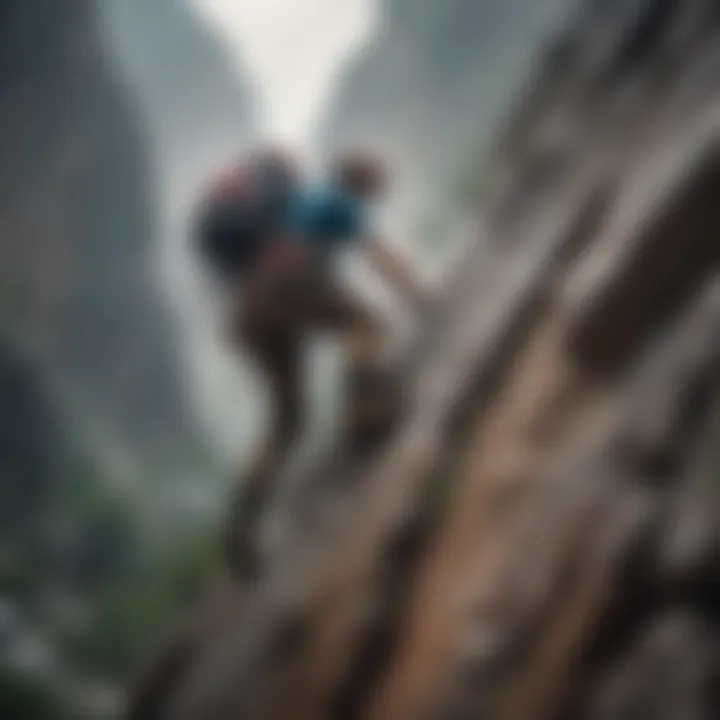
(276, 351)
(372, 399)
(280, 363)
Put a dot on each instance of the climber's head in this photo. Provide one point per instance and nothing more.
(361, 174)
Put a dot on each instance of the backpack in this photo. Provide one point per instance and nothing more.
(238, 216)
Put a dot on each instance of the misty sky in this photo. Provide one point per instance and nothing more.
(294, 51)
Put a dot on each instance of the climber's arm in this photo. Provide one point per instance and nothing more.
(397, 273)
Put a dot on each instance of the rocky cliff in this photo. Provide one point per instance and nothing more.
(198, 106)
(93, 409)
(198, 109)
(78, 278)
(539, 538)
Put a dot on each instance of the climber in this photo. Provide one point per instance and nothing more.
(292, 292)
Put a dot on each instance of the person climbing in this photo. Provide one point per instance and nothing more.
(291, 292)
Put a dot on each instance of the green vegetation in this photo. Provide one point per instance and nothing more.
(84, 568)
(23, 697)
(130, 611)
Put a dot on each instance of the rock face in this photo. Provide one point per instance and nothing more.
(428, 90)
(198, 111)
(539, 538)
(77, 276)
(35, 451)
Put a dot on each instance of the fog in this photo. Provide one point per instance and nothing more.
(295, 53)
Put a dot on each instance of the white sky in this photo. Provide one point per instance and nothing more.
(293, 51)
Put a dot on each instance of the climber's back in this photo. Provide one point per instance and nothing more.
(243, 208)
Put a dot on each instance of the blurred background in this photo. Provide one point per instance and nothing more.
(123, 416)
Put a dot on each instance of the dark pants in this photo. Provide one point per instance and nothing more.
(289, 296)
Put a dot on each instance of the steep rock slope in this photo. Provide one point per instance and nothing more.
(540, 537)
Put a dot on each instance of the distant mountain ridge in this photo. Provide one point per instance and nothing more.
(431, 87)
(197, 105)
(76, 218)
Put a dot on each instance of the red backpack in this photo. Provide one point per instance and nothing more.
(241, 211)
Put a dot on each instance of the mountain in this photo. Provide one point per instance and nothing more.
(198, 110)
(78, 281)
(90, 388)
(433, 84)
(198, 107)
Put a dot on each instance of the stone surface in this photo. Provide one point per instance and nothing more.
(539, 537)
